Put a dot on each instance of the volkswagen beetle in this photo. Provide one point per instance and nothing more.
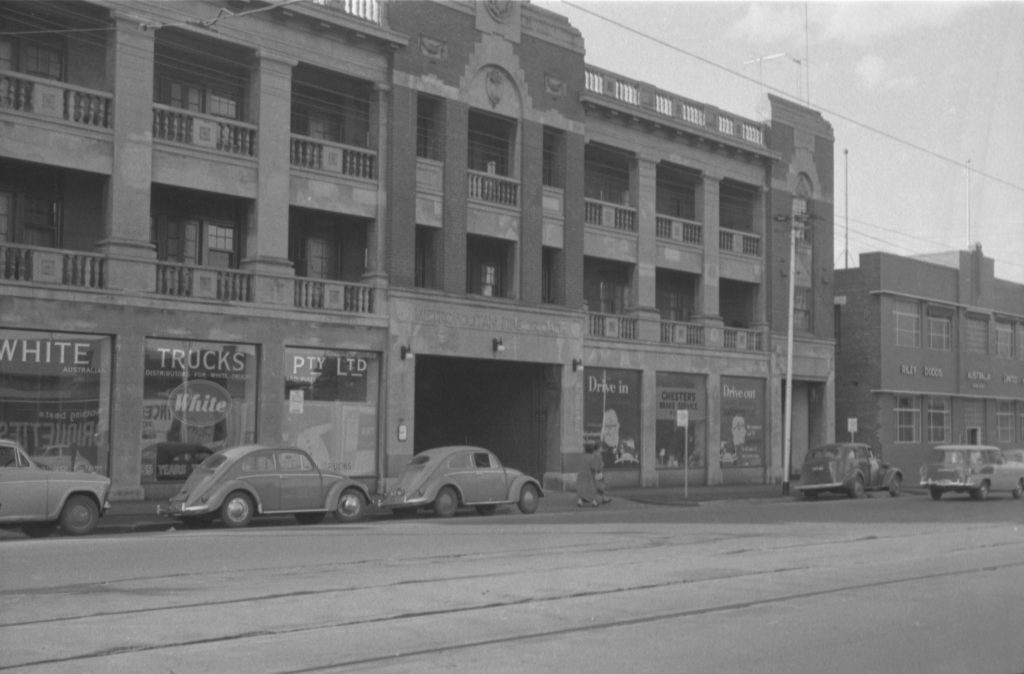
(849, 468)
(239, 483)
(445, 478)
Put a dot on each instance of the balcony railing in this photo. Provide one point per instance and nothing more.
(493, 189)
(333, 295)
(612, 326)
(367, 10)
(206, 131)
(182, 280)
(666, 104)
(321, 155)
(738, 339)
(677, 229)
(604, 214)
(674, 332)
(743, 243)
(47, 265)
(59, 100)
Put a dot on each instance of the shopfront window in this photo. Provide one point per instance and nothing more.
(938, 420)
(742, 422)
(908, 418)
(611, 416)
(681, 398)
(55, 397)
(198, 397)
(331, 407)
(1004, 420)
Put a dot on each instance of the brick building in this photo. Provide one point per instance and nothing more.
(370, 228)
(930, 351)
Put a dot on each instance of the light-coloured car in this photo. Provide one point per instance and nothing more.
(975, 469)
(1014, 455)
(849, 468)
(38, 499)
(63, 457)
(445, 478)
(239, 483)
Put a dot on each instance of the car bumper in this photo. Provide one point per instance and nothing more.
(402, 502)
(825, 486)
(181, 510)
(949, 484)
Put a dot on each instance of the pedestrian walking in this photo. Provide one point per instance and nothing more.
(590, 484)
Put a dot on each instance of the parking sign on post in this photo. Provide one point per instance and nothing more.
(683, 422)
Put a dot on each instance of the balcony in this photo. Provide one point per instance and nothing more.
(32, 264)
(175, 125)
(613, 216)
(688, 334)
(321, 155)
(612, 326)
(493, 189)
(182, 280)
(334, 295)
(47, 98)
(679, 230)
(742, 243)
(739, 339)
(367, 10)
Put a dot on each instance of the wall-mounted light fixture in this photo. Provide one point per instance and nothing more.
(497, 345)
(577, 364)
(406, 353)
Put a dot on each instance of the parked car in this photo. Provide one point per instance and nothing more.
(239, 483)
(1014, 455)
(63, 457)
(38, 499)
(445, 478)
(847, 467)
(975, 469)
(172, 460)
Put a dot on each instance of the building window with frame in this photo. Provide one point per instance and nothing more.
(940, 330)
(37, 54)
(425, 266)
(1004, 339)
(908, 419)
(550, 274)
(553, 159)
(907, 319)
(487, 266)
(938, 419)
(1004, 420)
(428, 128)
(803, 300)
(976, 334)
(1019, 331)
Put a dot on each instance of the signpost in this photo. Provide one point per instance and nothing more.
(683, 422)
(851, 428)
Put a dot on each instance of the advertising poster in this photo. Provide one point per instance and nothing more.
(330, 402)
(198, 397)
(55, 397)
(681, 392)
(611, 415)
(742, 424)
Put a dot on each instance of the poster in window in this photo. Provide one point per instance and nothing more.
(330, 405)
(742, 423)
(55, 397)
(611, 415)
(681, 392)
(198, 397)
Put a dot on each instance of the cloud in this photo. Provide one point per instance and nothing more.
(874, 73)
(769, 23)
(861, 23)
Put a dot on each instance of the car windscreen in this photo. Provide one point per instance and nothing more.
(824, 453)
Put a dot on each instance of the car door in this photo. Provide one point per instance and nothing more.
(1001, 473)
(489, 479)
(301, 483)
(23, 486)
(259, 471)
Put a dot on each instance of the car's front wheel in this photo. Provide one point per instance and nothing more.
(529, 499)
(857, 488)
(935, 492)
(1018, 491)
(79, 516)
(446, 503)
(38, 529)
(236, 511)
(896, 486)
(350, 506)
(980, 493)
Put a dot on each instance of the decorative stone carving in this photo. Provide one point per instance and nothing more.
(495, 86)
(433, 49)
(500, 10)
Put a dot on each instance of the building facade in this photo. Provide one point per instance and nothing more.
(931, 351)
(371, 228)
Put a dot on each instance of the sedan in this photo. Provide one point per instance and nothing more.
(445, 478)
(849, 468)
(38, 499)
(975, 469)
(239, 483)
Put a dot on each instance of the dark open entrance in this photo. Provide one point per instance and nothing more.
(506, 407)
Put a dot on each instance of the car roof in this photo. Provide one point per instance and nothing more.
(242, 450)
(441, 452)
(941, 448)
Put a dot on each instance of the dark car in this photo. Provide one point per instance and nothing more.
(849, 468)
(445, 478)
(238, 483)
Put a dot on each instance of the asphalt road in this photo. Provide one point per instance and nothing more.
(772, 585)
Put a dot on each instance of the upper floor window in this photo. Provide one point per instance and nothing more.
(908, 419)
(938, 419)
(550, 273)
(737, 205)
(907, 319)
(1004, 339)
(491, 144)
(39, 55)
(328, 106)
(606, 174)
(553, 158)
(1020, 341)
(940, 329)
(31, 209)
(203, 77)
(488, 266)
(1004, 420)
(428, 128)
(803, 301)
(677, 192)
(976, 334)
(425, 265)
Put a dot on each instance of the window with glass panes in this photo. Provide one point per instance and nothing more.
(938, 419)
(907, 319)
(1004, 339)
(940, 330)
(976, 334)
(908, 419)
(802, 301)
(1004, 420)
(1020, 341)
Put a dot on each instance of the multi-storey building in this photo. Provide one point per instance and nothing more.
(931, 351)
(369, 228)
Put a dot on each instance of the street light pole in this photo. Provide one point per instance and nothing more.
(787, 426)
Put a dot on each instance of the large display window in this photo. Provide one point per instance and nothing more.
(742, 422)
(686, 394)
(331, 406)
(198, 397)
(611, 415)
(55, 397)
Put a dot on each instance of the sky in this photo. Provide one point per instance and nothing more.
(926, 101)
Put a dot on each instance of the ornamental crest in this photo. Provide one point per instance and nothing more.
(500, 10)
(495, 86)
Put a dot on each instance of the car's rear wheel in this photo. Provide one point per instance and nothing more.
(529, 499)
(310, 518)
(486, 509)
(350, 506)
(1018, 491)
(857, 488)
(79, 516)
(236, 511)
(980, 493)
(446, 503)
(935, 492)
(38, 529)
(896, 486)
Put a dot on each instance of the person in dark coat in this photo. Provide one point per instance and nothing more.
(590, 487)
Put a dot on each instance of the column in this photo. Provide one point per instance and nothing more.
(376, 235)
(456, 193)
(708, 299)
(645, 186)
